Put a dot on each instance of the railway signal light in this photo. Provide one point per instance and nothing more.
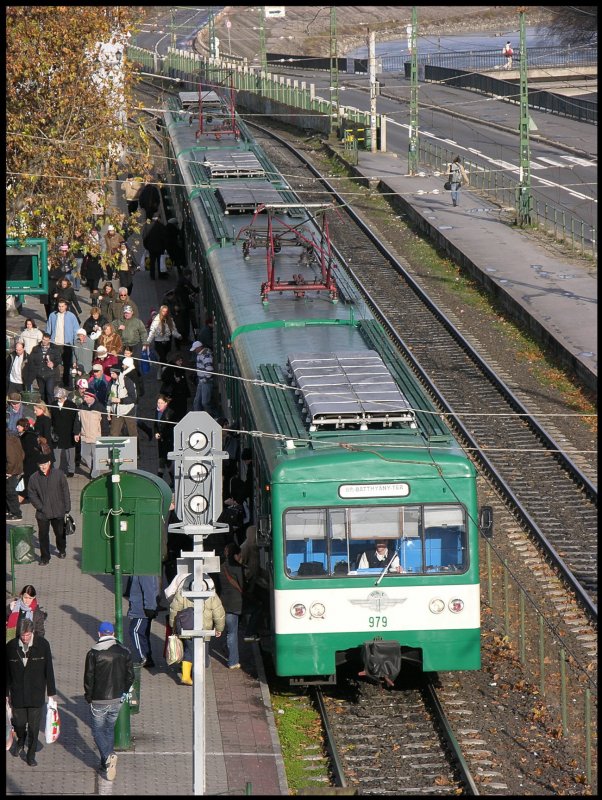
(197, 457)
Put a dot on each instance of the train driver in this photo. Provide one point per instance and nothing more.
(379, 557)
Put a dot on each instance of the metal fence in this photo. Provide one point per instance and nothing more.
(492, 59)
(562, 688)
(575, 108)
(500, 187)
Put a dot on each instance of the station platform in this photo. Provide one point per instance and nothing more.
(243, 753)
(555, 295)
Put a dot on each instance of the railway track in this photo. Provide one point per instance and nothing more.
(392, 742)
(554, 499)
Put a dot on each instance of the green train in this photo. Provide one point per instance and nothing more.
(365, 504)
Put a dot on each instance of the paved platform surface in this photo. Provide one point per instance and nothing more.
(556, 295)
(242, 747)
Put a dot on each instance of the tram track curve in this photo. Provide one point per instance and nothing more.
(553, 498)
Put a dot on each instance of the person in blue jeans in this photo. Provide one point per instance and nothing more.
(108, 676)
(231, 594)
(142, 592)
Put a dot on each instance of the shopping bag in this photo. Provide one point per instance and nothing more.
(163, 263)
(175, 650)
(69, 525)
(10, 732)
(20, 487)
(53, 722)
(144, 363)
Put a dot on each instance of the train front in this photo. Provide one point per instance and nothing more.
(375, 556)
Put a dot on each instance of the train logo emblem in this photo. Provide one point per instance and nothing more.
(378, 601)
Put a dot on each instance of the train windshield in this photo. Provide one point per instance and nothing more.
(353, 541)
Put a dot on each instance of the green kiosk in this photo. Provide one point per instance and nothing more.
(124, 517)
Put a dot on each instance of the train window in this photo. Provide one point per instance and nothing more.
(322, 541)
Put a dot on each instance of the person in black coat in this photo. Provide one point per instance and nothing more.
(64, 289)
(173, 244)
(54, 276)
(28, 680)
(163, 432)
(92, 271)
(44, 366)
(94, 323)
(66, 425)
(154, 239)
(29, 443)
(149, 199)
(43, 426)
(174, 384)
(49, 495)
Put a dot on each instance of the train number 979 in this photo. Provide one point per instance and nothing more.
(377, 622)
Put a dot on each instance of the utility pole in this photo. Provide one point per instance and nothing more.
(524, 175)
(122, 726)
(413, 133)
(334, 72)
(372, 76)
(262, 56)
(212, 48)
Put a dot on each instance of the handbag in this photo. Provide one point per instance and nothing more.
(69, 525)
(144, 363)
(447, 186)
(175, 650)
(184, 620)
(53, 721)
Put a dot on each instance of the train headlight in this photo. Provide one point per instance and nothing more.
(456, 605)
(317, 610)
(436, 606)
(298, 610)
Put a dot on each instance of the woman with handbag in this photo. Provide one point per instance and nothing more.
(161, 331)
(214, 616)
(457, 178)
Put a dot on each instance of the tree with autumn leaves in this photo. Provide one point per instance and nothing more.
(70, 121)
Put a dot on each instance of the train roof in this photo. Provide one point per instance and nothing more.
(326, 369)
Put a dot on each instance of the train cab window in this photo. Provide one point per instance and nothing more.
(332, 541)
(305, 532)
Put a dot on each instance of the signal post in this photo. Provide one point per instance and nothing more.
(197, 457)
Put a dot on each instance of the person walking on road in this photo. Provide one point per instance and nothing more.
(29, 678)
(66, 425)
(48, 493)
(457, 178)
(108, 676)
(131, 188)
(161, 332)
(508, 52)
(142, 592)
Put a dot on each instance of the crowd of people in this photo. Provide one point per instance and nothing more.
(70, 381)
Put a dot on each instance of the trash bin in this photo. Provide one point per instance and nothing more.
(134, 701)
(21, 537)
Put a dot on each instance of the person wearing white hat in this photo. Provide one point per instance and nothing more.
(83, 352)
